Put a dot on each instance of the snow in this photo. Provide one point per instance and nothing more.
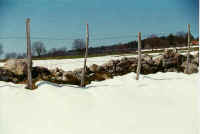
(162, 103)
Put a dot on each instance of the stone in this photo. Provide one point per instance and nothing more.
(196, 59)
(69, 76)
(6, 75)
(179, 58)
(133, 67)
(109, 63)
(170, 61)
(193, 68)
(96, 68)
(145, 69)
(171, 70)
(169, 53)
(133, 60)
(17, 66)
(42, 73)
(101, 76)
(147, 59)
(93, 67)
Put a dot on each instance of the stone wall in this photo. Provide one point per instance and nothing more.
(169, 61)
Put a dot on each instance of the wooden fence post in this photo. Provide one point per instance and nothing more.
(139, 56)
(85, 59)
(188, 52)
(29, 56)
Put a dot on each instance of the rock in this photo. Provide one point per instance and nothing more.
(169, 53)
(159, 61)
(170, 62)
(196, 55)
(196, 59)
(122, 67)
(171, 70)
(193, 68)
(109, 63)
(70, 77)
(191, 57)
(56, 70)
(101, 76)
(41, 73)
(78, 70)
(109, 66)
(6, 75)
(145, 69)
(175, 50)
(119, 70)
(179, 59)
(172, 59)
(17, 66)
(147, 59)
(148, 69)
(93, 67)
(122, 62)
(58, 74)
(133, 60)
(133, 67)
(96, 68)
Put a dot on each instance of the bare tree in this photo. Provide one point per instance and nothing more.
(11, 55)
(78, 44)
(38, 48)
(1, 49)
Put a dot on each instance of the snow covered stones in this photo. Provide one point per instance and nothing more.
(170, 61)
(17, 66)
(6, 75)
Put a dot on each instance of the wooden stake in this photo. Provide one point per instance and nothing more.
(29, 56)
(85, 59)
(139, 56)
(188, 52)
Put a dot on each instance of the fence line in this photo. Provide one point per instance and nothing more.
(98, 38)
(29, 56)
(139, 56)
(85, 59)
(188, 52)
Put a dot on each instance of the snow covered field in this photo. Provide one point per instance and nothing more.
(162, 103)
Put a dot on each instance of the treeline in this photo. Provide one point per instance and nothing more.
(78, 46)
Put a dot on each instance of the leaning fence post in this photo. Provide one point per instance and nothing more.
(139, 56)
(85, 59)
(188, 52)
(29, 56)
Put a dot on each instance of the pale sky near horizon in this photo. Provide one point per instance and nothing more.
(113, 21)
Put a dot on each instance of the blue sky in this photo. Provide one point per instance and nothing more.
(66, 19)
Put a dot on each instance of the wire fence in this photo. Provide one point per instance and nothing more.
(17, 43)
(118, 45)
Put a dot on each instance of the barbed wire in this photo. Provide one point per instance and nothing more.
(92, 38)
